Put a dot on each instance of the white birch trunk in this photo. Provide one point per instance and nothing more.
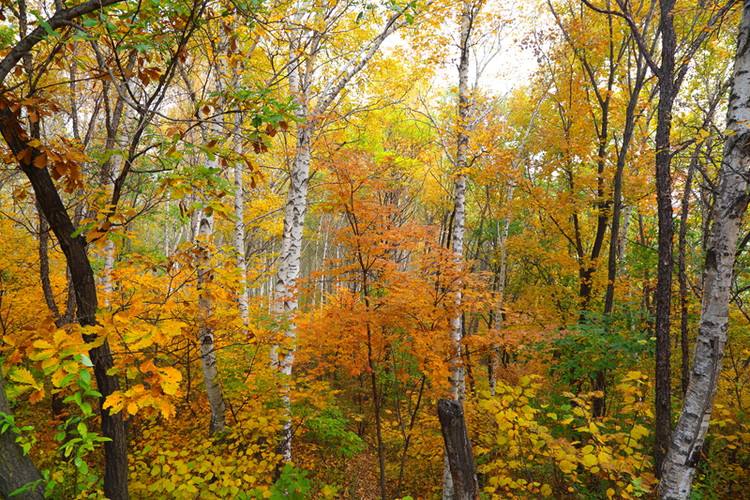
(731, 203)
(457, 378)
(285, 296)
(202, 234)
(109, 267)
(239, 227)
(109, 247)
(205, 331)
(285, 299)
(324, 256)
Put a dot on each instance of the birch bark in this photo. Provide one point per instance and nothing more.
(457, 377)
(730, 206)
(202, 230)
(309, 118)
(205, 331)
(239, 225)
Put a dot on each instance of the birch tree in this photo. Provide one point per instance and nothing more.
(205, 331)
(730, 206)
(305, 45)
(203, 237)
(469, 11)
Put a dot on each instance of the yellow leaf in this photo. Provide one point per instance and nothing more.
(638, 431)
(132, 408)
(23, 376)
(57, 377)
(546, 490)
(589, 460)
(567, 466)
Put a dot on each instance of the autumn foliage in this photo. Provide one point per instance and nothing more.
(174, 133)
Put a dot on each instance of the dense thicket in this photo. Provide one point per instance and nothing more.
(248, 246)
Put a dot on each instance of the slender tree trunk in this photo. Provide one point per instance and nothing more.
(729, 209)
(56, 399)
(239, 225)
(109, 267)
(202, 234)
(622, 156)
(664, 206)
(682, 276)
(600, 380)
(205, 330)
(301, 77)
(502, 275)
(285, 296)
(377, 399)
(457, 377)
(44, 271)
(322, 283)
(623, 237)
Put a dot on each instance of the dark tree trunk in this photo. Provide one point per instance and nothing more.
(16, 469)
(74, 248)
(680, 464)
(663, 293)
(600, 404)
(458, 450)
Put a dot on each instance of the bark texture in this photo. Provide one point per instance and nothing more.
(663, 295)
(459, 194)
(239, 225)
(205, 330)
(729, 208)
(458, 450)
(457, 375)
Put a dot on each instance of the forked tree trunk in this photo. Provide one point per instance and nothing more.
(284, 284)
(729, 209)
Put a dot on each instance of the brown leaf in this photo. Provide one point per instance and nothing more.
(40, 160)
(24, 156)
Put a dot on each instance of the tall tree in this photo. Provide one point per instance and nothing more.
(305, 47)
(469, 11)
(670, 73)
(728, 211)
(663, 295)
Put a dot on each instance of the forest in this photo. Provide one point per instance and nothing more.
(374, 249)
